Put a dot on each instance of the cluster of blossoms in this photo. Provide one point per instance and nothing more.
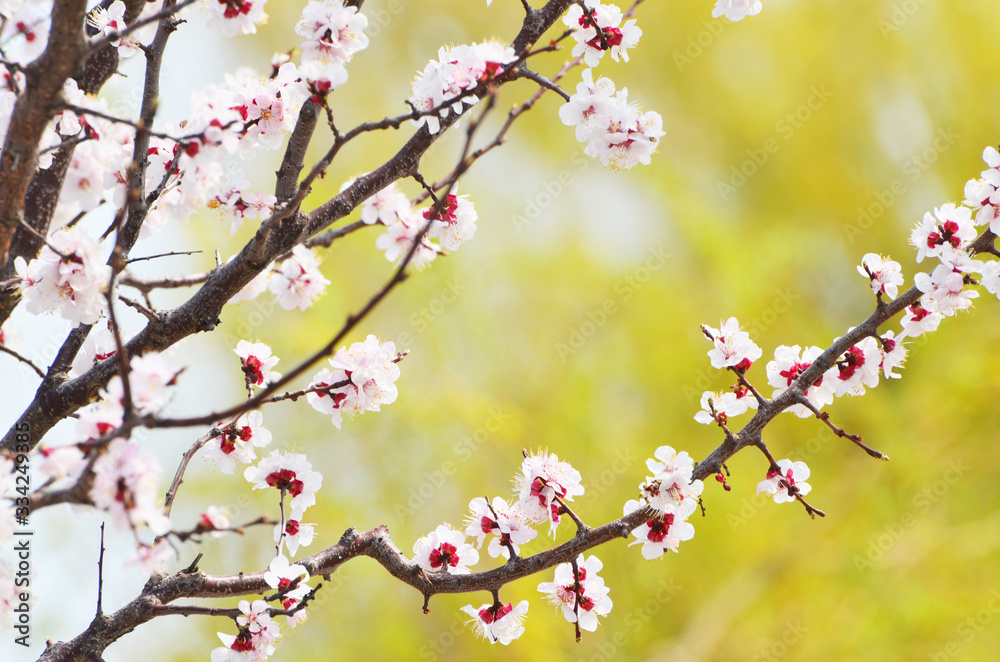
(333, 34)
(361, 379)
(543, 486)
(293, 476)
(239, 203)
(947, 235)
(296, 282)
(506, 521)
(267, 107)
(125, 485)
(543, 489)
(455, 225)
(617, 132)
(672, 497)
(452, 78)
(68, 275)
(238, 439)
(125, 481)
(257, 629)
(248, 114)
(859, 367)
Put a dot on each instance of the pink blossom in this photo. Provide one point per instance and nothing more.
(236, 16)
(920, 318)
(362, 379)
(724, 405)
(949, 229)
(291, 579)
(505, 522)
(444, 550)
(125, 486)
(858, 367)
(543, 478)
(289, 472)
(257, 363)
(399, 237)
(456, 71)
(581, 594)
(385, 207)
(617, 37)
(659, 533)
(68, 275)
(237, 442)
(945, 290)
(295, 533)
(298, 282)
(149, 380)
(733, 347)
(736, 10)
(785, 369)
(885, 274)
(791, 474)
(498, 623)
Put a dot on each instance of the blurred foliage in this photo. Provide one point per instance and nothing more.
(811, 112)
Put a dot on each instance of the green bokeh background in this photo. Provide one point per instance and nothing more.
(845, 101)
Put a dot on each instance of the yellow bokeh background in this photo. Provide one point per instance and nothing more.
(796, 141)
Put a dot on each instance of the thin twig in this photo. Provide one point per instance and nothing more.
(148, 313)
(8, 350)
(825, 417)
(121, 355)
(153, 257)
(100, 575)
(185, 460)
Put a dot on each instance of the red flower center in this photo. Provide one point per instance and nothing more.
(286, 480)
(444, 555)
